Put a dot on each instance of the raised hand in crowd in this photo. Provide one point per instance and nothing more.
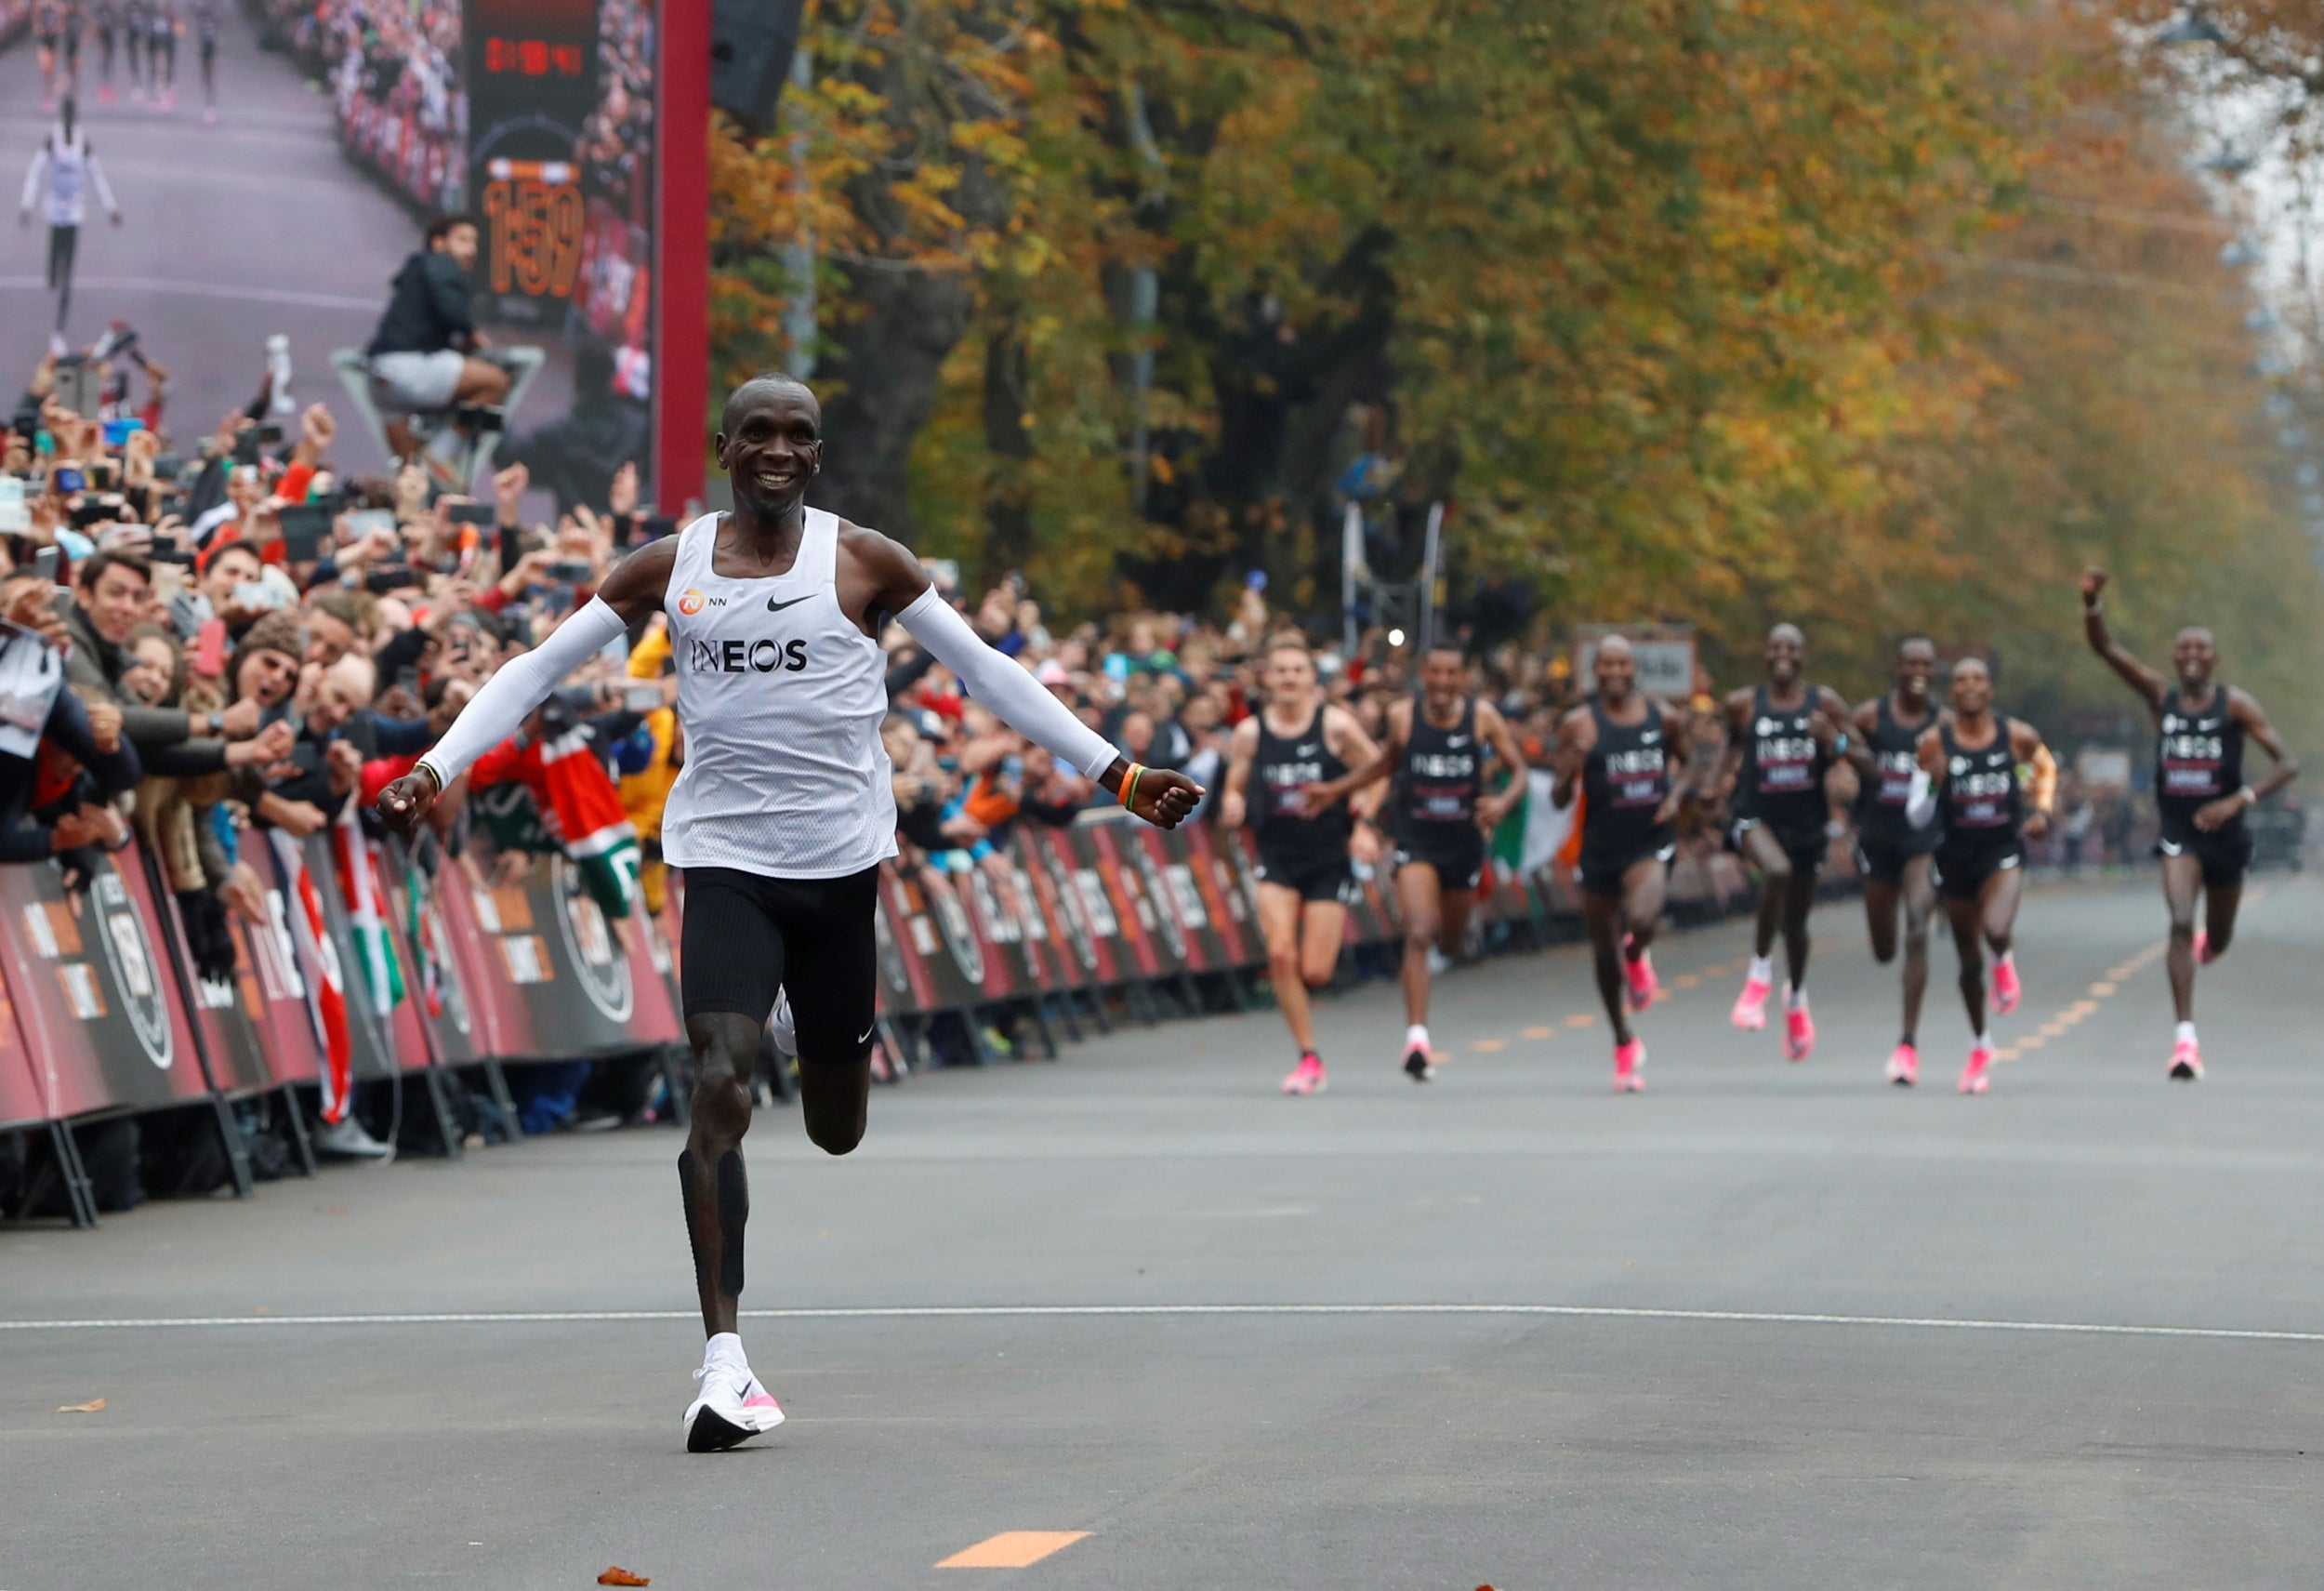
(621, 500)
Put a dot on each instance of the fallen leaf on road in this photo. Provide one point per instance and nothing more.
(622, 1577)
(95, 1406)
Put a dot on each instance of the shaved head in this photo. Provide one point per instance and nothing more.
(1788, 633)
(768, 383)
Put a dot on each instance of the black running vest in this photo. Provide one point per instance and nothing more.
(1441, 775)
(1624, 782)
(1285, 766)
(1981, 796)
(2199, 756)
(1783, 766)
(1896, 754)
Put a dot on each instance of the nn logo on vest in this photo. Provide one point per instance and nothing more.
(764, 656)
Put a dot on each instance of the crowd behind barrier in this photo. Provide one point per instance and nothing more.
(214, 655)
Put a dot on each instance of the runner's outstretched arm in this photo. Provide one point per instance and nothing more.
(902, 587)
(630, 593)
(1317, 800)
(2136, 674)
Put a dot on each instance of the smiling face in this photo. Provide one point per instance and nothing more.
(1444, 678)
(2195, 656)
(1916, 669)
(770, 445)
(152, 666)
(1290, 676)
(1615, 667)
(1786, 650)
(1973, 686)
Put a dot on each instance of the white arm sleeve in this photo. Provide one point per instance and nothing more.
(1921, 805)
(1023, 703)
(501, 708)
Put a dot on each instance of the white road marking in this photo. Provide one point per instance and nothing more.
(1035, 1311)
(227, 292)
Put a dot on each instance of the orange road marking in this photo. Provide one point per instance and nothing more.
(2102, 989)
(2009, 1055)
(1012, 1549)
(1581, 1019)
(1540, 1032)
(1486, 1046)
(1686, 980)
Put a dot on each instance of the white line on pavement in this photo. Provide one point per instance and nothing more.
(1034, 1311)
(227, 291)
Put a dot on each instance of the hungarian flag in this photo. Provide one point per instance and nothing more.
(350, 855)
(327, 993)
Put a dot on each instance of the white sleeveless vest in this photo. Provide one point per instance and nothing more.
(780, 698)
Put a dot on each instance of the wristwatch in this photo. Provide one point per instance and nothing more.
(2250, 797)
(216, 722)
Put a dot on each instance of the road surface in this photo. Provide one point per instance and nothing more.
(1766, 1326)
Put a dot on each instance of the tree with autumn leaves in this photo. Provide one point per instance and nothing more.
(1703, 309)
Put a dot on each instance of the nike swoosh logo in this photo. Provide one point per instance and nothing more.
(866, 1032)
(2171, 849)
(1455, 741)
(774, 606)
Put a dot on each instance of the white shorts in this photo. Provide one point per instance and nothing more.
(413, 383)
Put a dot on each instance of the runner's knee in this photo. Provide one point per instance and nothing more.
(836, 1132)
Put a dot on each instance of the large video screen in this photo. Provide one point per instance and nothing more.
(259, 168)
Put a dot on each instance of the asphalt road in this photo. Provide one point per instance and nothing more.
(1767, 1325)
(231, 233)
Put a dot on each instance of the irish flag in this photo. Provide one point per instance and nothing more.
(326, 994)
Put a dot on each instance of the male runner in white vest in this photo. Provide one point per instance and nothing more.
(784, 811)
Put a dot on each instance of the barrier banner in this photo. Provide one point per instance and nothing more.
(1000, 938)
(928, 918)
(86, 972)
(1226, 898)
(363, 972)
(582, 984)
(498, 1022)
(1150, 951)
(1050, 962)
(1077, 903)
(266, 963)
(438, 979)
(226, 1012)
(907, 986)
(1167, 864)
(21, 1099)
(1373, 916)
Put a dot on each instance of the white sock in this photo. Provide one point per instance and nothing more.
(1983, 1042)
(2186, 1034)
(1762, 970)
(1794, 999)
(2006, 959)
(1416, 1038)
(726, 1347)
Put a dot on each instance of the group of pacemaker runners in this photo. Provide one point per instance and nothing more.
(784, 813)
(144, 32)
(1949, 795)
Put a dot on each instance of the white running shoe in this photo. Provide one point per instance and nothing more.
(734, 1408)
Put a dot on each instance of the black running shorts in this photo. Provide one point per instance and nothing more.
(1602, 872)
(747, 937)
(1886, 860)
(1962, 870)
(2224, 852)
(1807, 848)
(1316, 877)
(1455, 850)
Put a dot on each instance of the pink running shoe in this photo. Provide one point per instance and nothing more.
(1645, 987)
(1750, 1006)
(2007, 990)
(1972, 1075)
(1799, 1030)
(1904, 1066)
(1629, 1065)
(1307, 1077)
(2186, 1062)
(2203, 945)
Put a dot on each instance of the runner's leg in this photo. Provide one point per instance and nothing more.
(833, 969)
(1601, 915)
(2220, 904)
(1643, 884)
(1964, 917)
(1453, 907)
(1919, 902)
(712, 1182)
(1323, 930)
(2182, 883)
(1421, 894)
(1996, 908)
(1764, 852)
(1880, 901)
(1279, 912)
(1799, 900)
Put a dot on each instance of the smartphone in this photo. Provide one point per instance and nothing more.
(165, 550)
(362, 522)
(270, 431)
(246, 445)
(407, 679)
(168, 467)
(101, 477)
(65, 481)
(305, 527)
(117, 431)
(96, 511)
(473, 513)
(80, 385)
(571, 572)
(390, 577)
(45, 563)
